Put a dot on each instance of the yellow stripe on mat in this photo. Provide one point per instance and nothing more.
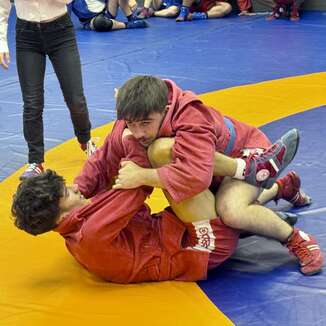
(265, 102)
(40, 282)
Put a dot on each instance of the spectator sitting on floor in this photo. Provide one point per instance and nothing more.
(100, 15)
(286, 8)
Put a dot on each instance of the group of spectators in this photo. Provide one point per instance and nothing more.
(100, 15)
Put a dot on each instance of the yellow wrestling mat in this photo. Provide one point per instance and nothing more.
(40, 282)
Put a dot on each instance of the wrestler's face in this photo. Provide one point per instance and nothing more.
(146, 130)
(71, 198)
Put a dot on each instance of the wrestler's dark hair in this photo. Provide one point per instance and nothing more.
(35, 206)
(140, 96)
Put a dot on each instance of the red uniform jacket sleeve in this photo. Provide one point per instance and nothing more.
(100, 169)
(111, 213)
(191, 170)
(98, 237)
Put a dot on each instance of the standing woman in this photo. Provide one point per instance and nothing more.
(44, 28)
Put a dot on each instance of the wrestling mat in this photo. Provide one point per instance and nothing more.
(266, 75)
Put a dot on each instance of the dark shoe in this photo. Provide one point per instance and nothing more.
(136, 24)
(289, 218)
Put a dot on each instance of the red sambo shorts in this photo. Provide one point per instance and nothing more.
(203, 5)
(215, 237)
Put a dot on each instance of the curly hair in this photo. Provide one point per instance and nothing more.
(140, 96)
(35, 206)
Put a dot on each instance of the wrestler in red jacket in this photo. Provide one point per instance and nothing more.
(200, 132)
(116, 238)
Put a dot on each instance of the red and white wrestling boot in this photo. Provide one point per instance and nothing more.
(308, 252)
(289, 190)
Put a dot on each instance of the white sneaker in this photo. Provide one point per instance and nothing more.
(89, 148)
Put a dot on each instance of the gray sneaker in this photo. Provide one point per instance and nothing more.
(262, 170)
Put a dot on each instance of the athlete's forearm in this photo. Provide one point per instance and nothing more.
(151, 178)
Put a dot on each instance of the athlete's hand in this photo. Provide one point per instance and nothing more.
(4, 59)
(130, 176)
(75, 188)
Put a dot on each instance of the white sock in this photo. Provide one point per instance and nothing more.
(241, 167)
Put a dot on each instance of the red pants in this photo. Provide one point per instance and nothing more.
(204, 5)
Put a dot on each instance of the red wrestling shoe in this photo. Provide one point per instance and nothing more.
(262, 170)
(289, 190)
(294, 15)
(306, 249)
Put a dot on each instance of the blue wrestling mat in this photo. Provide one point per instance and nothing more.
(261, 284)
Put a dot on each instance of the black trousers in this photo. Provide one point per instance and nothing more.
(57, 40)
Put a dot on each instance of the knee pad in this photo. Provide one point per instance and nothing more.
(101, 23)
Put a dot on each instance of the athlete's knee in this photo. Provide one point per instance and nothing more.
(225, 209)
(220, 10)
(229, 210)
(101, 23)
(227, 8)
(232, 221)
(160, 151)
